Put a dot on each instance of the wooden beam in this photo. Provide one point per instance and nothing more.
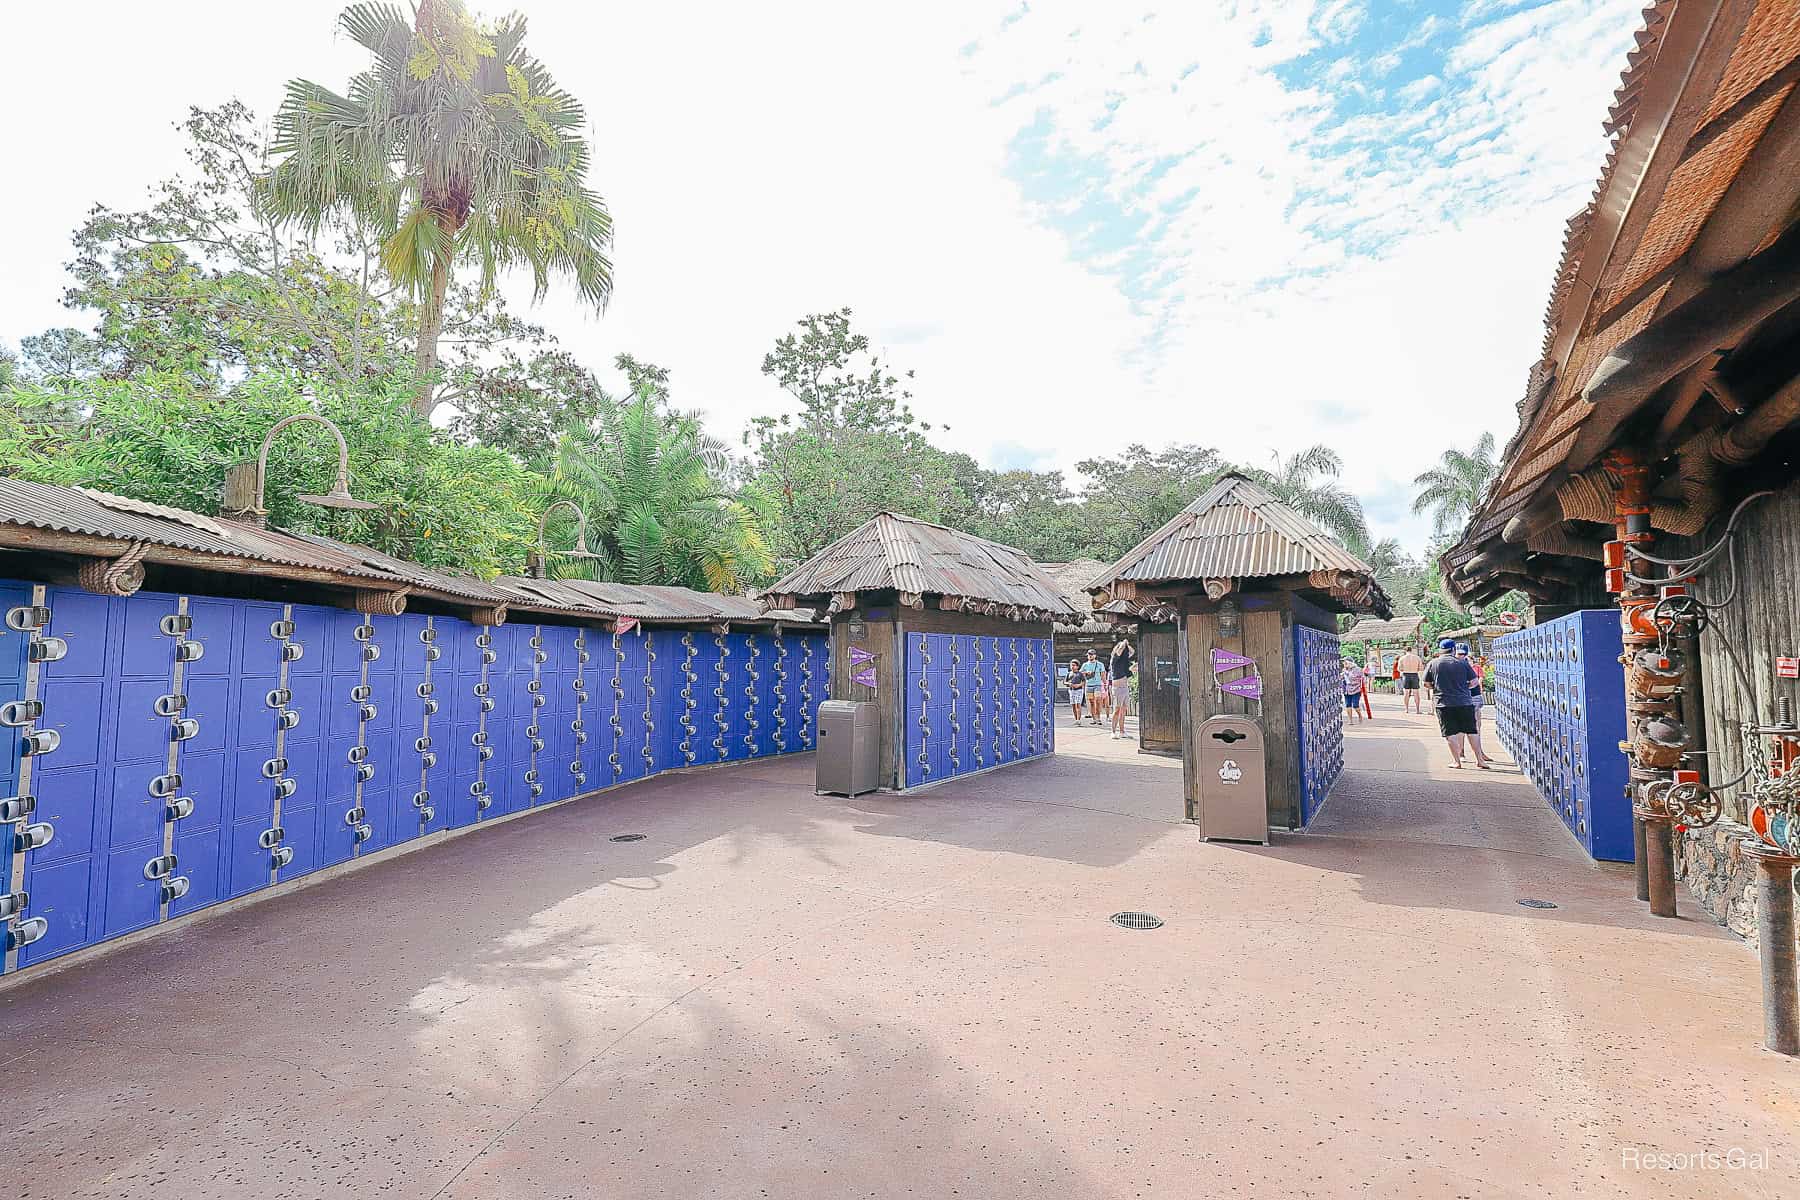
(912, 600)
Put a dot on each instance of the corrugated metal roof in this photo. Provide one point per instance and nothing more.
(81, 511)
(1233, 530)
(905, 554)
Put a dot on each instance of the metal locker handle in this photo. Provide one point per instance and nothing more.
(478, 738)
(281, 857)
(190, 651)
(281, 629)
(289, 720)
(431, 707)
(531, 776)
(285, 788)
(20, 712)
(47, 650)
(271, 838)
(368, 712)
(578, 683)
(537, 702)
(428, 760)
(371, 652)
(159, 867)
(425, 690)
(489, 657)
(537, 789)
(584, 656)
(478, 788)
(432, 654)
(365, 772)
(532, 731)
(485, 753)
(483, 803)
(577, 725)
(275, 768)
(537, 639)
(537, 745)
(581, 739)
(428, 635)
(534, 686)
(481, 689)
(27, 617)
(14, 904)
(293, 652)
(581, 697)
(356, 754)
(277, 697)
(176, 623)
(361, 692)
(165, 785)
(487, 704)
(26, 932)
(484, 640)
(364, 632)
(170, 705)
(175, 889)
(421, 799)
(17, 808)
(176, 809)
(580, 779)
(363, 834)
(422, 745)
(183, 729)
(355, 816)
(541, 657)
(42, 741)
(426, 814)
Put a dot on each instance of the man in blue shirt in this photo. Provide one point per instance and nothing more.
(1452, 681)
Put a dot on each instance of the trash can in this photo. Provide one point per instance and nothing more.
(1234, 792)
(849, 747)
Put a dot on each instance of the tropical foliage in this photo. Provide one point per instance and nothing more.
(1453, 489)
(454, 146)
(1307, 482)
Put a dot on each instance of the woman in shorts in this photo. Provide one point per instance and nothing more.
(1077, 689)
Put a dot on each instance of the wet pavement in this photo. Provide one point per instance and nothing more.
(783, 995)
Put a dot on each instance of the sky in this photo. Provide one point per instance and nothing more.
(1255, 225)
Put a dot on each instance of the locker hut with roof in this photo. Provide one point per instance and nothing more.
(949, 634)
(196, 709)
(1255, 588)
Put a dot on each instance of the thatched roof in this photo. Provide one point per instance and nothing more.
(1237, 531)
(1072, 578)
(1369, 629)
(916, 559)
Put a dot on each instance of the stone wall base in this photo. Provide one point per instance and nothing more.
(1719, 875)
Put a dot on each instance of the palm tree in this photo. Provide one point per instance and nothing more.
(1453, 489)
(649, 480)
(454, 145)
(1306, 482)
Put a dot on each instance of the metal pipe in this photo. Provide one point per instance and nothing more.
(1659, 851)
(1640, 856)
(1775, 946)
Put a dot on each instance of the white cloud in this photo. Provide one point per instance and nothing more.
(1373, 281)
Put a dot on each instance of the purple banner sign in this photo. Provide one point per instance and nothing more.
(1250, 687)
(859, 656)
(866, 677)
(1225, 660)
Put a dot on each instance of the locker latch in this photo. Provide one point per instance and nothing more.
(281, 630)
(175, 889)
(355, 816)
(537, 789)
(428, 635)
(271, 838)
(42, 741)
(364, 632)
(577, 725)
(422, 745)
(16, 808)
(431, 707)
(487, 704)
(288, 720)
(432, 654)
(12, 904)
(183, 729)
(370, 652)
(537, 702)
(170, 705)
(484, 640)
(278, 697)
(478, 788)
(484, 753)
(426, 689)
(483, 803)
(478, 738)
(176, 809)
(292, 652)
(26, 932)
(361, 692)
(428, 760)
(480, 689)
(368, 712)
(531, 776)
(20, 712)
(534, 686)
(421, 799)
(285, 788)
(47, 650)
(532, 730)
(365, 772)
(190, 651)
(426, 814)
(275, 768)
(159, 867)
(27, 618)
(281, 856)
(356, 754)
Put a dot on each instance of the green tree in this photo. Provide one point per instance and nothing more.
(167, 439)
(1031, 510)
(455, 145)
(853, 448)
(1453, 489)
(1306, 481)
(1132, 495)
(652, 484)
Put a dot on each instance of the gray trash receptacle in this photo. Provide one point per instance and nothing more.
(1234, 790)
(849, 753)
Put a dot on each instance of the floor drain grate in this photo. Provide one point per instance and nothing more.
(1538, 903)
(1136, 920)
(628, 837)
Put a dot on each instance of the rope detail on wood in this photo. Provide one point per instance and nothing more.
(121, 576)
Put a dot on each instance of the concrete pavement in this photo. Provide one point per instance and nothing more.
(777, 994)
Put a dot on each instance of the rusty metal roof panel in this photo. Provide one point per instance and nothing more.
(905, 554)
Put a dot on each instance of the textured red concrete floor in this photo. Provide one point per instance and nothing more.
(781, 995)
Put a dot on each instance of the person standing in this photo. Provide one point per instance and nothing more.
(1093, 674)
(1077, 688)
(1451, 680)
(1122, 667)
(1410, 666)
(1353, 689)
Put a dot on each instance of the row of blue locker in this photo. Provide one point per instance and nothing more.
(1319, 701)
(1559, 696)
(975, 702)
(167, 752)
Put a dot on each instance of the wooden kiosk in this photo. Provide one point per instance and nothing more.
(1255, 589)
(949, 634)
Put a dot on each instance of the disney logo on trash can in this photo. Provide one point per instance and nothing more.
(1229, 771)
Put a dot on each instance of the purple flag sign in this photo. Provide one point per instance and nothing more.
(866, 677)
(1249, 687)
(1225, 660)
(859, 656)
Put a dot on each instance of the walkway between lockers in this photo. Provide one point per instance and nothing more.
(778, 994)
